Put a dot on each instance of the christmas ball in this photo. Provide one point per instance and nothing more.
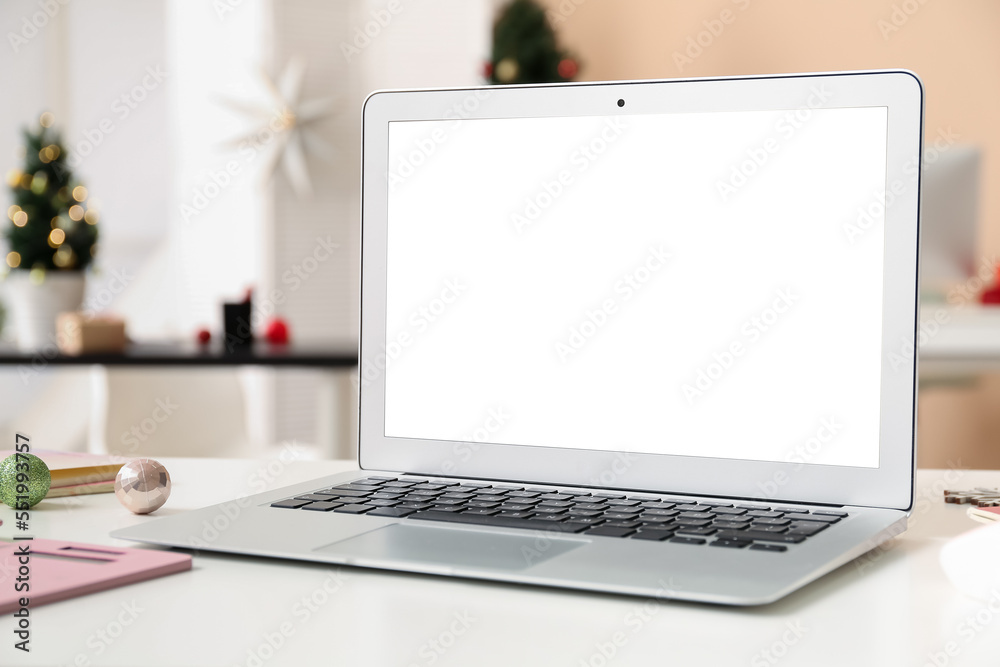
(567, 68)
(276, 332)
(23, 475)
(507, 70)
(204, 336)
(142, 486)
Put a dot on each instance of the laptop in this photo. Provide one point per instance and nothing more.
(652, 338)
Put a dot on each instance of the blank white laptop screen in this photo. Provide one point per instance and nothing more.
(695, 284)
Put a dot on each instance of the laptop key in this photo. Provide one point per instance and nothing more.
(620, 516)
(768, 547)
(761, 535)
(694, 523)
(356, 487)
(584, 520)
(695, 515)
(386, 495)
(353, 509)
(312, 496)
(609, 495)
(842, 515)
(736, 525)
(771, 522)
(733, 544)
(414, 506)
(344, 493)
(656, 535)
(623, 524)
(622, 502)
(291, 503)
(477, 510)
(610, 531)
(381, 503)
(397, 512)
(687, 540)
(590, 506)
(654, 518)
(659, 511)
(695, 531)
(550, 517)
(582, 513)
(770, 529)
(516, 514)
(813, 517)
(730, 511)
(764, 514)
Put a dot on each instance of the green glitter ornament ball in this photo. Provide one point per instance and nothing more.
(35, 479)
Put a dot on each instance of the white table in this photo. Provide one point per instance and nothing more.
(892, 607)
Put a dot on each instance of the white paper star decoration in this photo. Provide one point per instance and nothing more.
(285, 119)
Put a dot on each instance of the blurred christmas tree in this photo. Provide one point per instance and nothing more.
(50, 228)
(525, 49)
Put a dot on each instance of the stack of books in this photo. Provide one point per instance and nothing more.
(77, 473)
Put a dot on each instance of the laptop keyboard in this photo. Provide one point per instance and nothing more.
(735, 525)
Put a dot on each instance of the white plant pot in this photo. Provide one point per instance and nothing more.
(33, 307)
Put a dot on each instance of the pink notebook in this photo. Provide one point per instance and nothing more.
(59, 570)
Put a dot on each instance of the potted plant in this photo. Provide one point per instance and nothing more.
(51, 232)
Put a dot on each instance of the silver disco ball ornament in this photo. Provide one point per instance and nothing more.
(142, 485)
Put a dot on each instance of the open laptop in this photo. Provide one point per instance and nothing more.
(651, 338)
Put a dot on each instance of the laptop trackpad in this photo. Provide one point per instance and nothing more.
(453, 548)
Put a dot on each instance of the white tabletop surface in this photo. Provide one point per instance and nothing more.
(892, 607)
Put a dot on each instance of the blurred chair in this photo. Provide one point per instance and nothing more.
(169, 412)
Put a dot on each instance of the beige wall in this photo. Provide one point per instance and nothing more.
(954, 45)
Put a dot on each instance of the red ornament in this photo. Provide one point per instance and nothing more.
(204, 336)
(276, 332)
(567, 68)
(488, 70)
(991, 295)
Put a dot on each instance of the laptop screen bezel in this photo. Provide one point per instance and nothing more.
(889, 485)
